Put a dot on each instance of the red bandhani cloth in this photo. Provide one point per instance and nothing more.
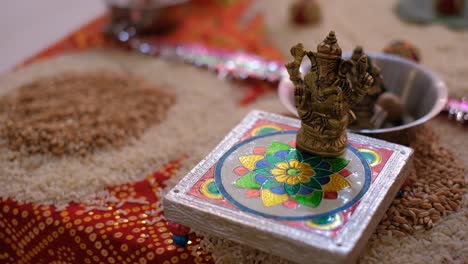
(130, 229)
(127, 225)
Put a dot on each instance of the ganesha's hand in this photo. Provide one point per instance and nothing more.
(367, 80)
(361, 65)
(298, 52)
(293, 69)
(302, 114)
(301, 96)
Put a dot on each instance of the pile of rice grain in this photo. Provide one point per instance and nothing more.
(72, 113)
(205, 110)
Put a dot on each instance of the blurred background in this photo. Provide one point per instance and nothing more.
(28, 27)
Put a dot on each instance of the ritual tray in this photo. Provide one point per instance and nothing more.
(252, 189)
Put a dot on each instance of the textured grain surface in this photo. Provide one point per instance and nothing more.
(435, 188)
(76, 114)
(205, 110)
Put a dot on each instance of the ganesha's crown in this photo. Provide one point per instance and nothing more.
(329, 48)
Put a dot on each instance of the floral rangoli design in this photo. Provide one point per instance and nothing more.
(264, 175)
(280, 174)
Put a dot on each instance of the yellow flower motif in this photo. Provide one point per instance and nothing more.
(292, 172)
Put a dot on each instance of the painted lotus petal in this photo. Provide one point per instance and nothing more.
(282, 154)
(322, 173)
(313, 161)
(324, 220)
(294, 154)
(323, 165)
(297, 179)
(304, 190)
(311, 200)
(307, 172)
(278, 190)
(267, 130)
(337, 164)
(294, 164)
(303, 178)
(275, 146)
(249, 161)
(263, 171)
(253, 193)
(270, 183)
(290, 203)
(212, 188)
(240, 170)
(336, 183)
(262, 164)
(323, 180)
(259, 150)
(260, 178)
(269, 198)
(345, 173)
(278, 172)
(247, 181)
(282, 165)
(292, 189)
(273, 159)
(330, 195)
(282, 178)
(313, 184)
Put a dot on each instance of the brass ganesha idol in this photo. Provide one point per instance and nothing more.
(324, 96)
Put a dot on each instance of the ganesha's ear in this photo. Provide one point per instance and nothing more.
(345, 67)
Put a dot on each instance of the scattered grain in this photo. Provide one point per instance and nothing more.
(439, 207)
(400, 220)
(426, 205)
(423, 214)
(398, 233)
(437, 185)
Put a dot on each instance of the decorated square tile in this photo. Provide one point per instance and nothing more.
(257, 189)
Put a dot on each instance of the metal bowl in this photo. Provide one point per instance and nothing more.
(129, 18)
(422, 92)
